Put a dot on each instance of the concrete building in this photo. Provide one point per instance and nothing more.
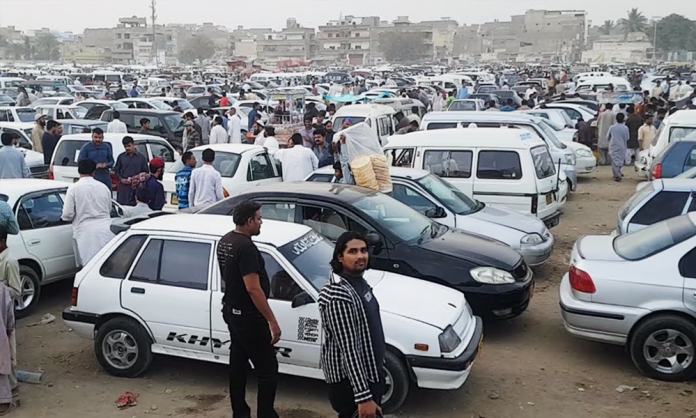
(220, 36)
(347, 40)
(444, 31)
(614, 48)
(403, 25)
(292, 42)
(244, 40)
(80, 53)
(126, 38)
(99, 37)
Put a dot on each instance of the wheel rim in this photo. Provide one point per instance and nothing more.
(668, 351)
(388, 386)
(27, 291)
(120, 349)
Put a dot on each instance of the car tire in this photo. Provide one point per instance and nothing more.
(29, 280)
(661, 336)
(398, 382)
(123, 347)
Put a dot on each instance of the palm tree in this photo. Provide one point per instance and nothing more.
(635, 22)
(607, 27)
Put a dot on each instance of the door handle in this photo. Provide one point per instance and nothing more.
(138, 290)
(34, 242)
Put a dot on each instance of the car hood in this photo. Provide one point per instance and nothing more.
(575, 145)
(511, 219)
(474, 248)
(598, 248)
(417, 299)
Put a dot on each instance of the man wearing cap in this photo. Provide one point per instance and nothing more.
(153, 184)
(128, 165)
(50, 138)
(234, 127)
(37, 132)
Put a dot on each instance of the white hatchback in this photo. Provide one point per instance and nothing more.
(129, 299)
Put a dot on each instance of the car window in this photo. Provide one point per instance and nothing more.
(448, 164)
(687, 265)
(543, 164)
(321, 178)
(499, 165)
(185, 264)
(654, 239)
(662, 206)
(691, 158)
(119, 262)
(326, 221)
(412, 198)
(40, 212)
(67, 152)
(148, 265)
(391, 215)
(225, 163)
(462, 106)
(162, 151)
(283, 286)
(25, 114)
(441, 125)
(142, 150)
(6, 116)
(260, 168)
(278, 211)
(403, 158)
(308, 254)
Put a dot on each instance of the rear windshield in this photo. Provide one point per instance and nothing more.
(67, 153)
(441, 125)
(654, 239)
(543, 163)
(462, 106)
(682, 132)
(637, 198)
(25, 114)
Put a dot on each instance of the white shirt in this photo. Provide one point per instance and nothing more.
(218, 135)
(685, 91)
(271, 144)
(205, 187)
(235, 129)
(137, 210)
(116, 127)
(528, 93)
(298, 162)
(260, 139)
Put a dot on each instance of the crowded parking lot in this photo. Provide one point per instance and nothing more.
(529, 366)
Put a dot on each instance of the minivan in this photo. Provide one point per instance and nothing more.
(509, 167)
(379, 117)
(407, 106)
(165, 124)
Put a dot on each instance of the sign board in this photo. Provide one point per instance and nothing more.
(618, 97)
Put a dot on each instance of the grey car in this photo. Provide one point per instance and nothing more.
(638, 290)
(657, 201)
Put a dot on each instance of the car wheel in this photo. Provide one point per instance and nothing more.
(396, 383)
(30, 290)
(663, 348)
(123, 347)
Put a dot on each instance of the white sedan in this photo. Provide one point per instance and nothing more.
(129, 299)
(585, 161)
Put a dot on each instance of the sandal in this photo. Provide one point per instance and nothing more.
(6, 408)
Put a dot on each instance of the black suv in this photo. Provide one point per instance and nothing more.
(163, 123)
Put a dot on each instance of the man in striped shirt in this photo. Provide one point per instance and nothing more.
(354, 349)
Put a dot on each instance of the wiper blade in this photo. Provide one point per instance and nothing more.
(420, 240)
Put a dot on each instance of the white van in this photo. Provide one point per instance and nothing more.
(676, 127)
(451, 82)
(505, 167)
(601, 84)
(379, 117)
(10, 82)
(404, 105)
(598, 74)
(264, 77)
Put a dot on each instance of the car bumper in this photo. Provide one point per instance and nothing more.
(535, 255)
(82, 323)
(447, 373)
(501, 301)
(596, 321)
(585, 165)
(552, 220)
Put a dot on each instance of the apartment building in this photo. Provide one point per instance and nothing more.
(347, 40)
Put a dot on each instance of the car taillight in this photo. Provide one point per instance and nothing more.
(50, 172)
(657, 171)
(73, 299)
(581, 281)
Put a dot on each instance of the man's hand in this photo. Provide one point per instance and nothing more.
(368, 409)
(275, 333)
(101, 165)
(125, 181)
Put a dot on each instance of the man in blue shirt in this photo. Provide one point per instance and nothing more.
(321, 149)
(50, 138)
(153, 184)
(12, 164)
(183, 179)
(463, 92)
(7, 219)
(252, 117)
(134, 91)
(509, 106)
(102, 154)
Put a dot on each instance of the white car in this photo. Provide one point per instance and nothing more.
(33, 159)
(44, 246)
(585, 161)
(47, 101)
(61, 111)
(129, 299)
(16, 114)
(557, 116)
(155, 103)
(242, 167)
(574, 111)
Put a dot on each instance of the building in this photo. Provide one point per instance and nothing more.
(292, 43)
(126, 37)
(244, 42)
(444, 31)
(347, 40)
(614, 48)
(402, 25)
(80, 53)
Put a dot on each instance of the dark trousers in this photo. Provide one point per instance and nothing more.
(343, 401)
(251, 340)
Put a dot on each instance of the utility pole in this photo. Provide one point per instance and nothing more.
(153, 50)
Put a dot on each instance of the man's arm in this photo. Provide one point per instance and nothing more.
(218, 188)
(25, 170)
(314, 161)
(7, 219)
(192, 188)
(117, 167)
(252, 283)
(13, 281)
(109, 156)
(84, 152)
(69, 206)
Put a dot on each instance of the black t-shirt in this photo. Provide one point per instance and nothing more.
(374, 318)
(238, 257)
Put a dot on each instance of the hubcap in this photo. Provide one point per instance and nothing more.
(120, 349)
(669, 351)
(26, 293)
(388, 386)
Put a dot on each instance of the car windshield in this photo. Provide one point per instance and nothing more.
(184, 104)
(4, 197)
(551, 135)
(339, 121)
(160, 105)
(463, 106)
(543, 164)
(25, 114)
(6, 98)
(310, 255)
(393, 216)
(118, 106)
(638, 197)
(225, 162)
(451, 197)
(655, 238)
(553, 125)
(79, 112)
(175, 123)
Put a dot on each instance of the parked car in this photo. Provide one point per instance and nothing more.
(585, 161)
(486, 97)
(203, 102)
(47, 101)
(676, 127)
(95, 108)
(44, 245)
(437, 199)
(138, 310)
(678, 157)
(557, 116)
(638, 290)
(164, 124)
(154, 103)
(241, 166)
(574, 111)
(504, 95)
(78, 126)
(61, 111)
(16, 114)
(467, 105)
(495, 279)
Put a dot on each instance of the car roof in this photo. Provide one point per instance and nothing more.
(112, 137)
(15, 107)
(84, 122)
(274, 233)
(17, 125)
(233, 148)
(364, 110)
(486, 137)
(149, 111)
(330, 191)
(400, 172)
(14, 188)
(682, 117)
(681, 184)
(478, 116)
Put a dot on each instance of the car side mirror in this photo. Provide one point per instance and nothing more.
(301, 299)
(437, 212)
(373, 239)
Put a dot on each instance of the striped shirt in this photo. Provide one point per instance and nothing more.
(346, 351)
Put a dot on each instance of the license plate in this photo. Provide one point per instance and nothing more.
(549, 198)
(175, 200)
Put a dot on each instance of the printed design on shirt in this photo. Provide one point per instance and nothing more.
(308, 329)
(368, 296)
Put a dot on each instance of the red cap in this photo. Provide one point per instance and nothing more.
(157, 163)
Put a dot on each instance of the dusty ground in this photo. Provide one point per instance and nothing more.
(530, 367)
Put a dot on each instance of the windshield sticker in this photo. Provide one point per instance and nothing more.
(308, 329)
(306, 242)
(526, 136)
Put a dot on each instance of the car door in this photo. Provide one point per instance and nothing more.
(662, 206)
(687, 268)
(45, 235)
(169, 288)
(261, 171)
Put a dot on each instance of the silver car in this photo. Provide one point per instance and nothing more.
(657, 201)
(638, 290)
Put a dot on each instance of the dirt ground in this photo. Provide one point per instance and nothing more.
(529, 367)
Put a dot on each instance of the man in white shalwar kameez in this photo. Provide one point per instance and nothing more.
(88, 207)
(234, 127)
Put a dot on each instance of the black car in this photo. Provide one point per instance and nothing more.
(206, 102)
(486, 97)
(504, 95)
(163, 123)
(678, 157)
(495, 279)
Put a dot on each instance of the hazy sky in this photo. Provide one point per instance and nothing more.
(75, 15)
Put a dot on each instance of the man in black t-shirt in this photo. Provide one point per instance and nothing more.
(251, 322)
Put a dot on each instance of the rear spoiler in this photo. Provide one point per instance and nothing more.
(123, 225)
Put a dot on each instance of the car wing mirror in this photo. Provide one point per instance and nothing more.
(302, 299)
(437, 212)
(373, 239)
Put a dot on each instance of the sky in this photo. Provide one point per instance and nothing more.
(75, 15)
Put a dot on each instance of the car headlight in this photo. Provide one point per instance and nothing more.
(449, 340)
(491, 275)
(532, 239)
(583, 153)
(570, 159)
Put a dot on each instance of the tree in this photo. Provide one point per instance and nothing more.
(403, 46)
(674, 33)
(607, 27)
(635, 22)
(27, 48)
(3, 41)
(16, 51)
(198, 48)
(47, 47)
